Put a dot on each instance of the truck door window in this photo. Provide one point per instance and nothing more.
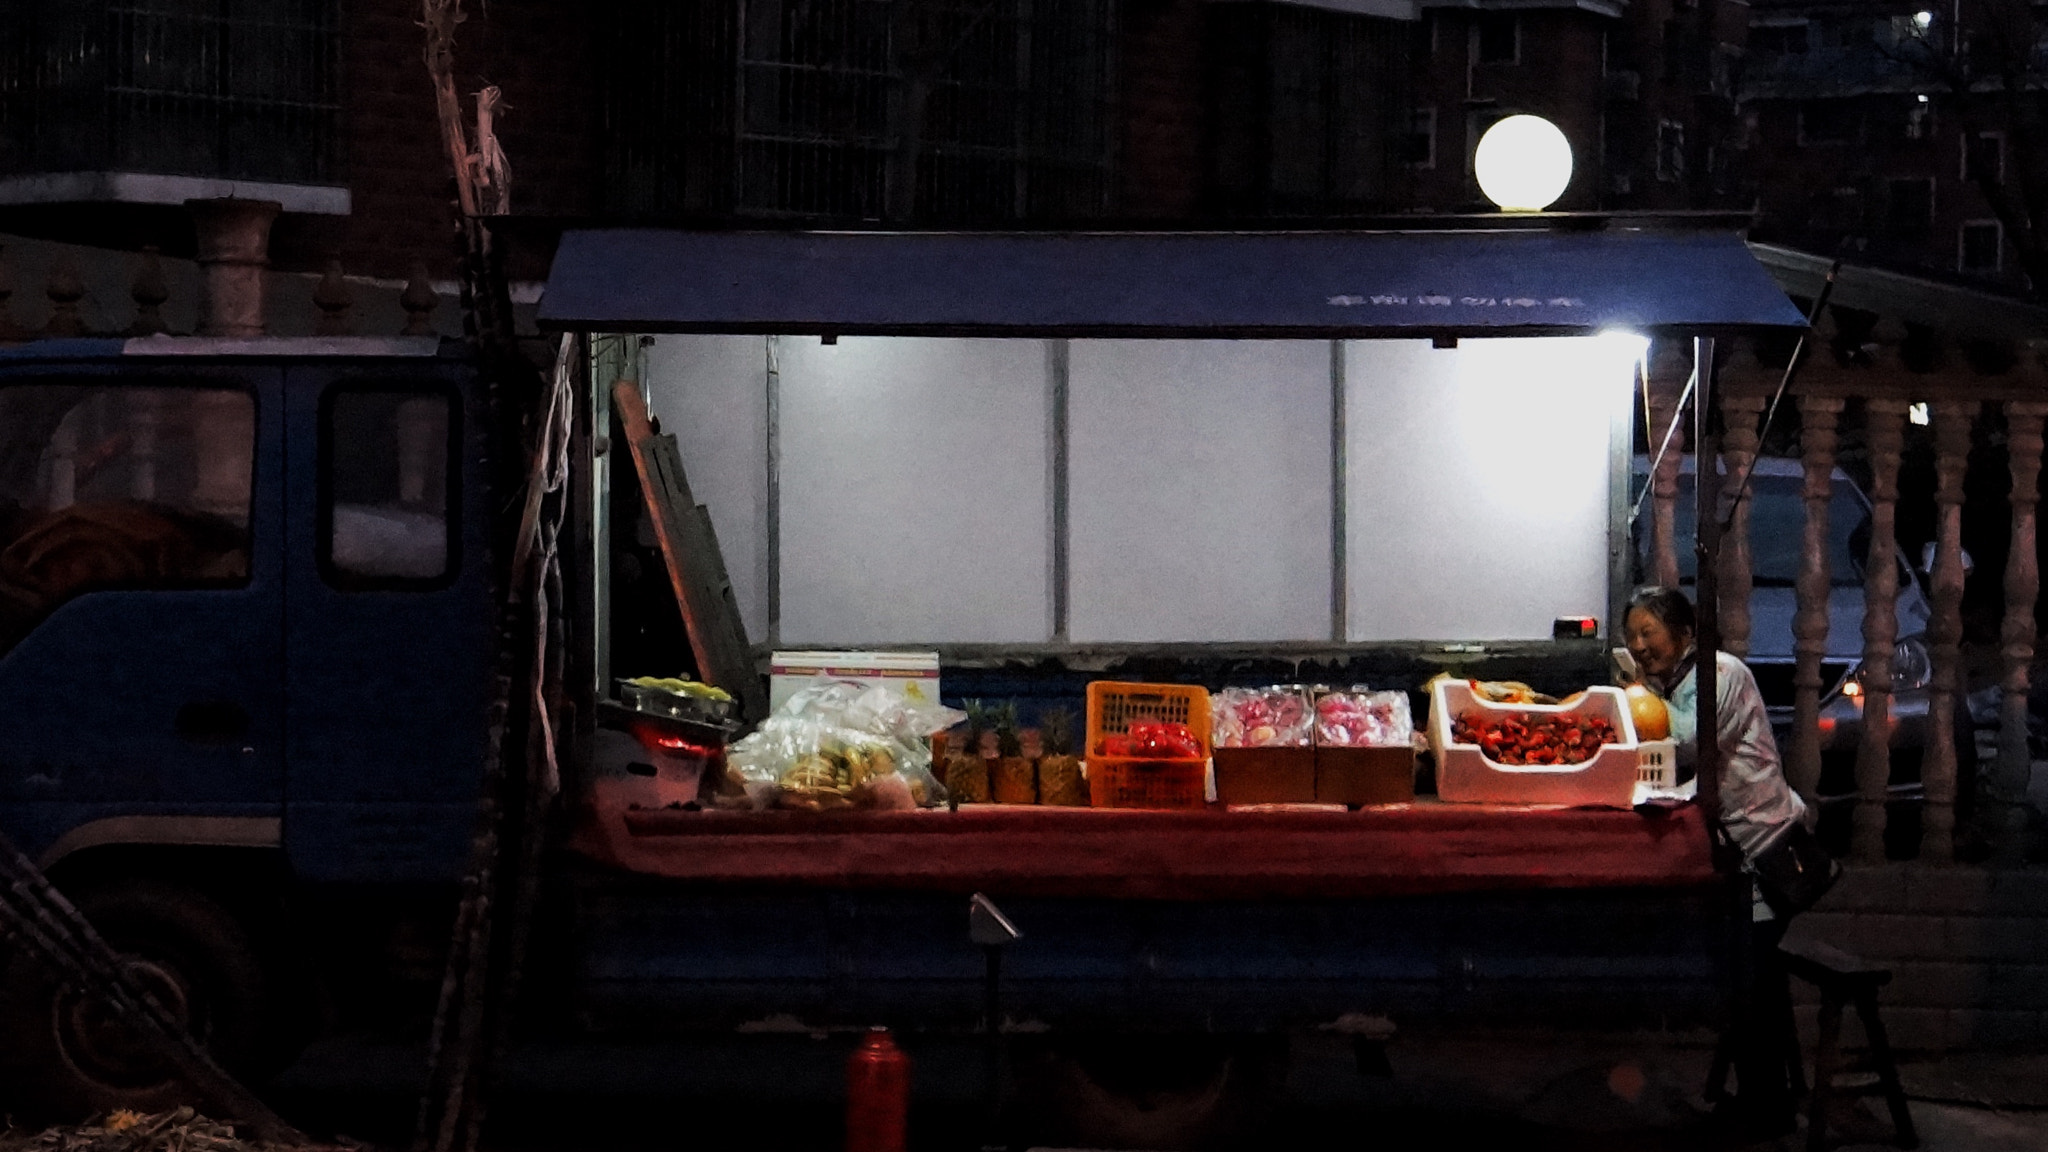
(106, 486)
(387, 488)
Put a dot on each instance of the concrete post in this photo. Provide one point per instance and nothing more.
(233, 251)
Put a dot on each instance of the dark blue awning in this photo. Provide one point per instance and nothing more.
(1183, 284)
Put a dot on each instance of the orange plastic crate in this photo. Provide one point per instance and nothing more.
(1120, 782)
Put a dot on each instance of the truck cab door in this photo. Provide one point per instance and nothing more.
(141, 604)
(388, 621)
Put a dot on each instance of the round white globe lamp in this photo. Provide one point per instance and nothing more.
(1523, 163)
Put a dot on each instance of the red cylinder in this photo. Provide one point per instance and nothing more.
(877, 1095)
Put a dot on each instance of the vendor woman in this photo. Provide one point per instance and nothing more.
(1757, 808)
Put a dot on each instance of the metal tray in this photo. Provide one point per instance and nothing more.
(675, 705)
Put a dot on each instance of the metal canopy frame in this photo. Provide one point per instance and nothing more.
(643, 280)
(1441, 284)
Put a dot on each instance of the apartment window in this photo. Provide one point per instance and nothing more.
(1778, 39)
(1981, 246)
(1670, 150)
(235, 91)
(1827, 122)
(1984, 157)
(1920, 119)
(788, 108)
(1418, 146)
(1497, 38)
(1910, 204)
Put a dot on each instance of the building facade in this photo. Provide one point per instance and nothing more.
(1881, 131)
(927, 113)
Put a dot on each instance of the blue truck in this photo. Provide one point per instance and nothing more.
(247, 641)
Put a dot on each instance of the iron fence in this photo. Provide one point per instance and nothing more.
(941, 111)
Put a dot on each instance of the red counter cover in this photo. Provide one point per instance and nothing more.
(1398, 850)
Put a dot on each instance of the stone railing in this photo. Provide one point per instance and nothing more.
(1869, 385)
(229, 294)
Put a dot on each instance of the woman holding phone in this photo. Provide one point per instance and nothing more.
(1759, 811)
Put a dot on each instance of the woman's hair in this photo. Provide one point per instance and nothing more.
(1668, 605)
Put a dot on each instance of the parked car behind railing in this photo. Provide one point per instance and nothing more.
(1777, 534)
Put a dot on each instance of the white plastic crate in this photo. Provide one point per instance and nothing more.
(1464, 774)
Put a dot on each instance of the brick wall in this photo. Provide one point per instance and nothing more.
(1159, 162)
(1968, 950)
(539, 52)
(1557, 76)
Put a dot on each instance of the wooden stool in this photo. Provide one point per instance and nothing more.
(1841, 978)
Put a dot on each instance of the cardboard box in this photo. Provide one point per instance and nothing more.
(915, 675)
(1359, 776)
(1265, 775)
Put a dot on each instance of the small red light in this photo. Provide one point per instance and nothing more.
(678, 744)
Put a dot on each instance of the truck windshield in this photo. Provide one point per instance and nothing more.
(106, 486)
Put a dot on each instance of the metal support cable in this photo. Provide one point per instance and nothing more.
(1820, 301)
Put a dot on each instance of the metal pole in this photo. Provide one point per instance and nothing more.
(1706, 552)
(992, 1056)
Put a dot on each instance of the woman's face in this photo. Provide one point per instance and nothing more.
(1657, 648)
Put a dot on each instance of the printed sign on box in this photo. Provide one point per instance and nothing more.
(914, 674)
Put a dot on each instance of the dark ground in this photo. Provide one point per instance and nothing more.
(1449, 1090)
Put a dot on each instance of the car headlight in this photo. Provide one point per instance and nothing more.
(1912, 666)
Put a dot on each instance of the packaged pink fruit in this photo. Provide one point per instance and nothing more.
(1362, 718)
(1277, 717)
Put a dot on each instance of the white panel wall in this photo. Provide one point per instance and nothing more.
(1477, 484)
(914, 491)
(1200, 490)
(711, 392)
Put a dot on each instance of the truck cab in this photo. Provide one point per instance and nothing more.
(245, 641)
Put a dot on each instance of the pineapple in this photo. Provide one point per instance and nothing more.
(1059, 771)
(1016, 778)
(966, 770)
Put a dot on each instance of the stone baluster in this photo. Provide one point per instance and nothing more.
(1818, 417)
(1884, 420)
(65, 289)
(64, 461)
(149, 291)
(223, 428)
(1740, 412)
(419, 301)
(1670, 366)
(1952, 423)
(9, 330)
(336, 302)
(143, 414)
(2016, 635)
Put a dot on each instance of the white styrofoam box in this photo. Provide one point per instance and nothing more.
(915, 675)
(1465, 775)
(1657, 773)
(1657, 764)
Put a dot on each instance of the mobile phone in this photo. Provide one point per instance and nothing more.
(1625, 662)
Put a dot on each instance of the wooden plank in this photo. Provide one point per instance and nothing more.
(696, 565)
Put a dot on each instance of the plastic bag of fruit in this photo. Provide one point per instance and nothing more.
(1277, 717)
(836, 746)
(1362, 718)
